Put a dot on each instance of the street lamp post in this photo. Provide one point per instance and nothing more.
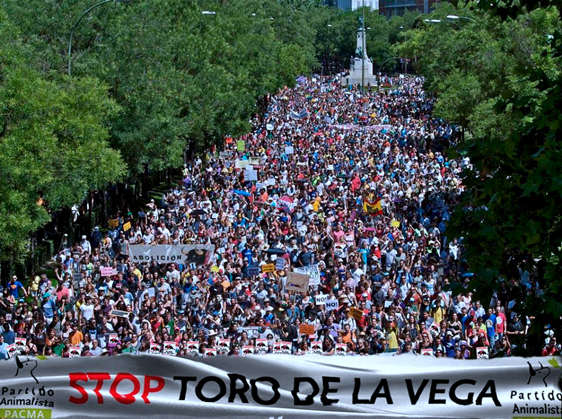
(76, 25)
(363, 53)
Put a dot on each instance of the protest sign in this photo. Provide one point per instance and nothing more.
(155, 347)
(280, 264)
(119, 313)
(330, 305)
(427, 352)
(312, 271)
(253, 270)
(74, 352)
(241, 163)
(250, 175)
(170, 348)
(268, 267)
(356, 313)
(114, 222)
(197, 254)
(321, 299)
(289, 150)
(127, 226)
(482, 352)
(341, 349)
(277, 385)
(192, 347)
(306, 329)
(108, 271)
(297, 282)
(316, 347)
(240, 146)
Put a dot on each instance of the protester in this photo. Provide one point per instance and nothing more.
(354, 190)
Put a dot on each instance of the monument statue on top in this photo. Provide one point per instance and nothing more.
(361, 65)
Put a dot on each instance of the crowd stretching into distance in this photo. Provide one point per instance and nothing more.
(354, 190)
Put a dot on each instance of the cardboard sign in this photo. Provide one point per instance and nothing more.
(297, 282)
(312, 271)
(306, 329)
(330, 305)
(127, 226)
(253, 270)
(240, 146)
(269, 267)
(113, 222)
(321, 299)
(356, 313)
(428, 352)
(395, 223)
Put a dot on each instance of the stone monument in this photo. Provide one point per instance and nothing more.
(361, 65)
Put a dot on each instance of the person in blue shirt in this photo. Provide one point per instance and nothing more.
(8, 334)
(3, 348)
(15, 286)
(490, 321)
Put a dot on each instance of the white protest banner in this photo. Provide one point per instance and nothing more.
(321, 299)
(297, 282)
(274, 385)
(312, 271)
(331, 305)
(254, 161)
(289, 150)
(241, 164)
(197, 254)
(250, 175)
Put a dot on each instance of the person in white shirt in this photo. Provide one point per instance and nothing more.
(86, 246)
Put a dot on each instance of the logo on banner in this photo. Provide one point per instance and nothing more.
(542, 372)
(26, 367)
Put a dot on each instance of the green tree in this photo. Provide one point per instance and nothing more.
(500, 78)
(53, 142)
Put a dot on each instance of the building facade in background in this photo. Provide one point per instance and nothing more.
(356, 4)
(391, 8)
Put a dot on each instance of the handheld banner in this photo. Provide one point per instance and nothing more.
(253, 386)
(198, 254)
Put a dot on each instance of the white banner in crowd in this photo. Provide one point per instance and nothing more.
(154, 386)
(197, 254)
(312, 271)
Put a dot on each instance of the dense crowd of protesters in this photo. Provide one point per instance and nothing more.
(355, 187)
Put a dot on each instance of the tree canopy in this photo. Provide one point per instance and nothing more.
(498, 75)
